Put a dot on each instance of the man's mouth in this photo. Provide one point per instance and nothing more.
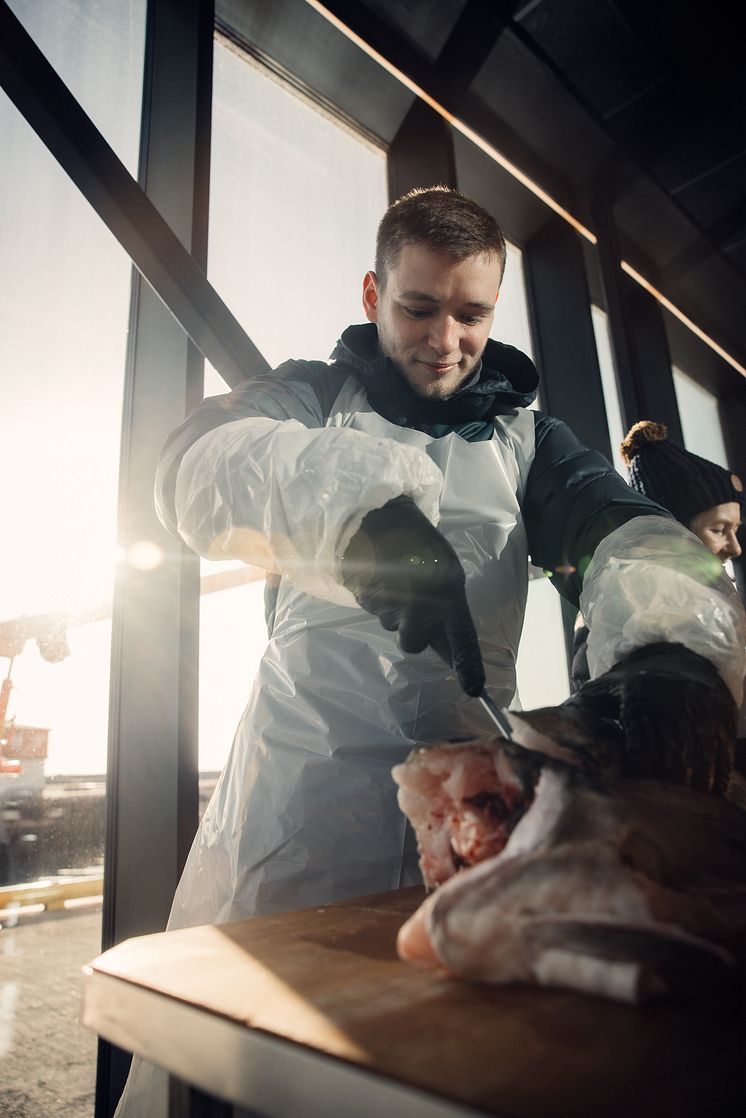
(440, 367)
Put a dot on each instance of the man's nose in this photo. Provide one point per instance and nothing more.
(732, 547)
(444, 335)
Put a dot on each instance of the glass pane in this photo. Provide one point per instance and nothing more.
(96, 47)
(610, 388)
(511, 322)
(700, 422)
(233, 636)
(64, 306)
(295, 201)
(542, 663)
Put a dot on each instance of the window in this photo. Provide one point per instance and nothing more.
(295, 201)
(612, 401)
(64, 305)
(543, 679)
(700, 422)
(96, 47)
(511, 323)
(542, 664)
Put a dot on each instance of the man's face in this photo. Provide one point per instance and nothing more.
(434, 316)
(717, 527)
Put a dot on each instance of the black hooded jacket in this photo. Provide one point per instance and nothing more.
(573, 499)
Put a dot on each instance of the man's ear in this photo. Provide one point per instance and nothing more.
(370, 296)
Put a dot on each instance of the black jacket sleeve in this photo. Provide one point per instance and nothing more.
(574, 498)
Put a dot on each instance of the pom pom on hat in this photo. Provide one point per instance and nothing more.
(646, 431)
(681, 482)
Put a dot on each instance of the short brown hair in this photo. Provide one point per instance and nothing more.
(442, 219)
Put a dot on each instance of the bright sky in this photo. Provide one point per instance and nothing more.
(64, 293)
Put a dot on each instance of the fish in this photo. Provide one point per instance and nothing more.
(571, 874)
(464, 797)
(463, 800)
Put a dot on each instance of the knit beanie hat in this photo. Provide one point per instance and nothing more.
(682, 482)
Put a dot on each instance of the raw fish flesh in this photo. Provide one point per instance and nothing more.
(463, 801)
(621, 887)
(464, 798)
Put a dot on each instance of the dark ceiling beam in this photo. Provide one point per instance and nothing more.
(380, 35)
(471, 42)
(663, 105)
(460, 102)
(648, 124)
(678, 35)
(728, 233)
(713, 168)
(729, 230)
(158, 254)
(421, 153)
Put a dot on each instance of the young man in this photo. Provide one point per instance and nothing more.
(334, 477)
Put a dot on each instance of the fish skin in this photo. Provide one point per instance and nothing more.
(577, 736)
(628, 889)
(676, 714)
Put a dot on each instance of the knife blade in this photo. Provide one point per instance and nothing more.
(497, 716)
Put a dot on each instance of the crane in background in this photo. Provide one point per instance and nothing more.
(23, 749)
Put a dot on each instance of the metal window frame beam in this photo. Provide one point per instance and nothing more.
(562, 326)
(455, 96)
(421, 153)
(152, 780)
(153, 766)
(638, 335)
(560, 303)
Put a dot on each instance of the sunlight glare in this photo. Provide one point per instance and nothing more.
(144, 555)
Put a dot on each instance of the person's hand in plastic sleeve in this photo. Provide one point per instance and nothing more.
(403, 570)
(677, 716)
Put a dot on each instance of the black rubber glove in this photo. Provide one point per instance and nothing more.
(403, 570)
(677, 716)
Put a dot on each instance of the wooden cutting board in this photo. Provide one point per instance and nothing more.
(329, 979)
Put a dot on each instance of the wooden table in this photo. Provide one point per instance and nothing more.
(311, 1014)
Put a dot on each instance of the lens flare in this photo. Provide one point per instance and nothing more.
(144, 555)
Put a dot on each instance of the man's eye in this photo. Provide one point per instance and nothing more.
(471, 319)
(416, 312)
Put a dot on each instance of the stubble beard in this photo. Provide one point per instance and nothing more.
(435, 389)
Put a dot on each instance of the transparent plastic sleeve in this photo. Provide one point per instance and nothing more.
(653, 580)
(288, 499)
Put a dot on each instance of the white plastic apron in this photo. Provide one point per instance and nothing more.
(305, 811)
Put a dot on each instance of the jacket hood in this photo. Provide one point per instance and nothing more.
(504, 379)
